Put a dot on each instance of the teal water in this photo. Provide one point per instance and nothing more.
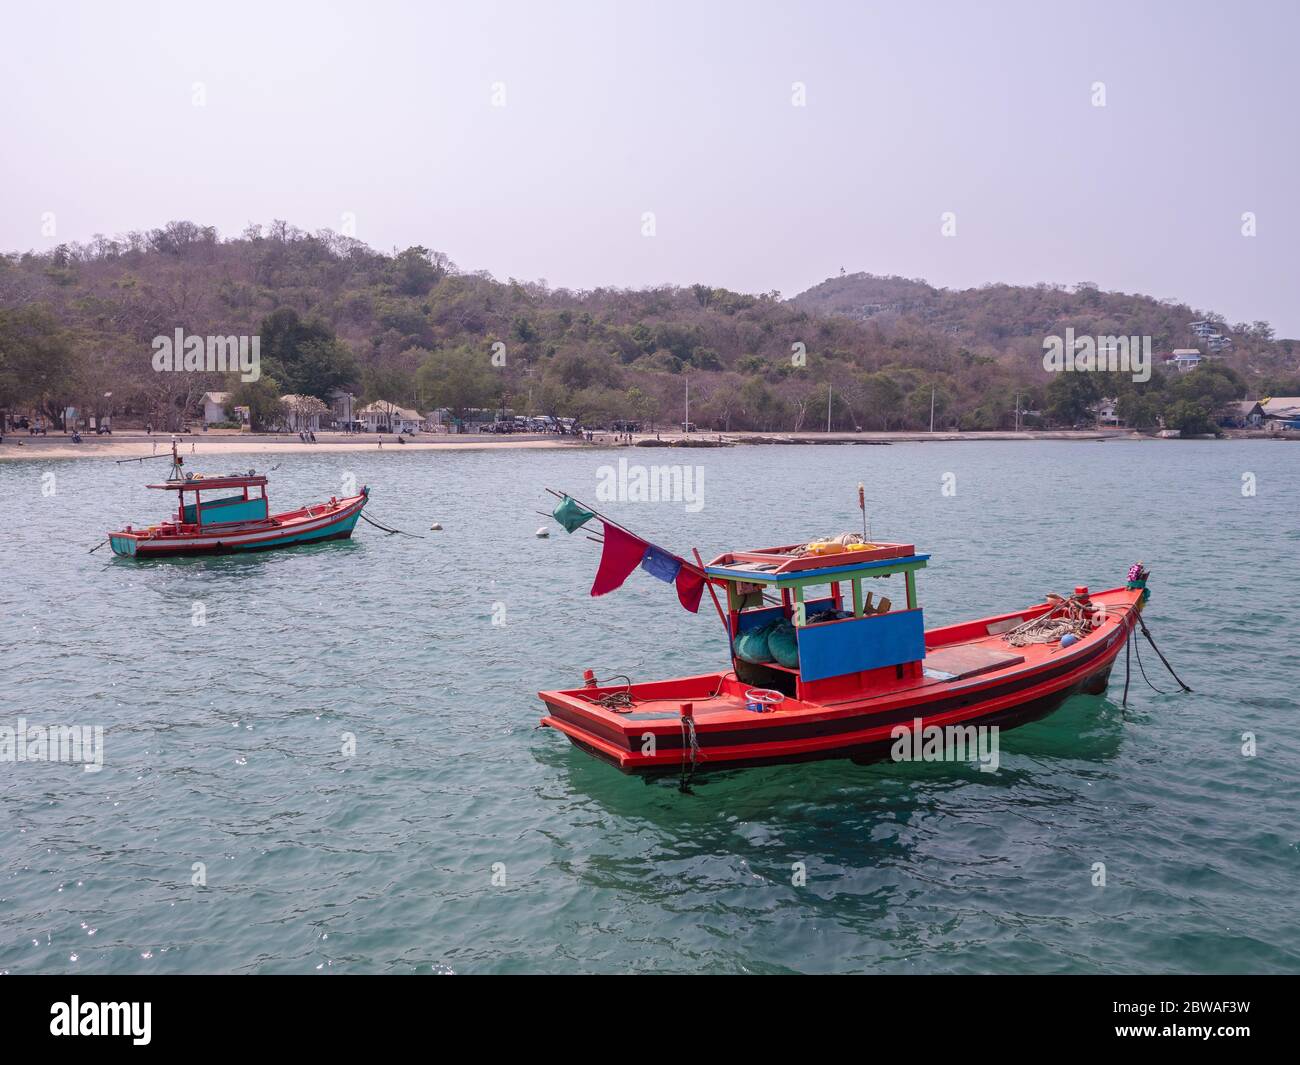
(223, 741)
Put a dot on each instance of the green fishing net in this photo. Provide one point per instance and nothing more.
(751, 645)
(783, 644)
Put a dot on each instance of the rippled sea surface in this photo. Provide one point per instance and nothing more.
(458, 838)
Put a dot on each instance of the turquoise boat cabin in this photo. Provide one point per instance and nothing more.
(820, 623)
(242, 507)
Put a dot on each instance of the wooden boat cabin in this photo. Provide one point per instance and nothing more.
(202, 513)
(854, 633)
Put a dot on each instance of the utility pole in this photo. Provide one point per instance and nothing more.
(1017, 412)
(687, 427)
(932, 408)
(829, 390)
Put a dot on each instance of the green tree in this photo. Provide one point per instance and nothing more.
(882, 401)
(304, 355)
(262, 398)
(417, 270)
(322, 367)
(1190, 418)
(460, 379)
(37, 362)
(760, 407)
(922, 400)
(1069, 395)
(1138, 410)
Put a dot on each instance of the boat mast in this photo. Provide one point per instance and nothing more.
(177, 462)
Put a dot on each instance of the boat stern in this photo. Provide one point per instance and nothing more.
(638, 728)
(123, 543)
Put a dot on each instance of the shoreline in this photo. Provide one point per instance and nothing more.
(137, 444)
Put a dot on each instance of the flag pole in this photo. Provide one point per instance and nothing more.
(610, 521)
(712, 594)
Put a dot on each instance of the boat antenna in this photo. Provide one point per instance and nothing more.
(862, 506)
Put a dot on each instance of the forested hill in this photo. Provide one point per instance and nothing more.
(77, 322)
(1002, 316)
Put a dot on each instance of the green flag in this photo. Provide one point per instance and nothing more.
(571, 515)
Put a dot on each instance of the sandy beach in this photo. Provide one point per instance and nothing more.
(135, 443)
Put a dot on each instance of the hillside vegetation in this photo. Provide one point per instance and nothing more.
(77, 322)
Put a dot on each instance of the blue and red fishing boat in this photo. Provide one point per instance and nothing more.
(238, 520)
(823, 665)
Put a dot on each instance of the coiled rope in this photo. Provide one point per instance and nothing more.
(1067, 616)
(618, 702)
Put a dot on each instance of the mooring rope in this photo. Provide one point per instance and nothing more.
(1128, 654)
(1141, 669)
(691, 743)
(1147, 633)
(388, 529)
(1132, 648)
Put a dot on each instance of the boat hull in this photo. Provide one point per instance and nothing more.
(865, 729)
(311, 525)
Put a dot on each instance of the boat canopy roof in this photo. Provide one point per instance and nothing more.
(793, 564)
(206, 484)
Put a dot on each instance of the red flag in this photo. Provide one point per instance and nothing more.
(622, 554)
(690, 586)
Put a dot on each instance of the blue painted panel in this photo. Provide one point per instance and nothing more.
(840, 647)
(752, 619)
(232, 508)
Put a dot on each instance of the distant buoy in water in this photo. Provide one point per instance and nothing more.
(435, 527)
(543, 533)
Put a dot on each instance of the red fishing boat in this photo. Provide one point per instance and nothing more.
(238, 520)
(845, 669)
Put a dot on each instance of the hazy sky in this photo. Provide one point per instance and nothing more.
(312, 112)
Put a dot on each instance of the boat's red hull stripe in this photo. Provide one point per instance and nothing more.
(762, 755)
(980, 701)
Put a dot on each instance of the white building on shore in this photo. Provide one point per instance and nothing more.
(384, 417)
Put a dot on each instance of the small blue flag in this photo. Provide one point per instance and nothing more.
(661, 564)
